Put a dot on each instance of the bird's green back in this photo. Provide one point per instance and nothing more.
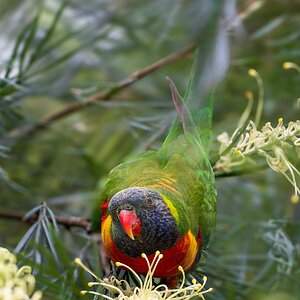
(181, 164)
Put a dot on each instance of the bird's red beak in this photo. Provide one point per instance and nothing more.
(130, 222)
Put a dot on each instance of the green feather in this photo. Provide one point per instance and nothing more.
(184, 156)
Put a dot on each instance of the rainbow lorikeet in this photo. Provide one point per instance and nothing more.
(163, 200)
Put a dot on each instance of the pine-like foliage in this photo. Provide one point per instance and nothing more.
(79, 94)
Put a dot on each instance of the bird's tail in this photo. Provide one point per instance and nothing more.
(194, 112)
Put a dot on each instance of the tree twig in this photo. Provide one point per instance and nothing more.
(65, 221)
(27, 131)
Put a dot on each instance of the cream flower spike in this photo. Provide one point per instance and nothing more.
(270, 142)
(16, 284)
(146, 290)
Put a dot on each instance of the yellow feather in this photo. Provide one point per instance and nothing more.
(172, 208)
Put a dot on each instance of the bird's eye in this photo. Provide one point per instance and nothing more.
(149, 200)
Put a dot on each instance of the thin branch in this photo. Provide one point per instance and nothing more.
(65, 221)
(101, 96)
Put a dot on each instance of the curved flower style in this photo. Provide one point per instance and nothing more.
(16, 284)
(146, 289)
(270, 142)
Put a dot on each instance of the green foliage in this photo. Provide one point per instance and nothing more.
(60, 53)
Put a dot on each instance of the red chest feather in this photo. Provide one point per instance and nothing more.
(182, 254)
(104, 207)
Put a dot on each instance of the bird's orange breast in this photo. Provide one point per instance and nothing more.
(182, 254)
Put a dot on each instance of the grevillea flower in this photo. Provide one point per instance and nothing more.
(270, 142)
(16, 284)
(146, 289)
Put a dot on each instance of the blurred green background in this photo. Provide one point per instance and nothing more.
(57, 53)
